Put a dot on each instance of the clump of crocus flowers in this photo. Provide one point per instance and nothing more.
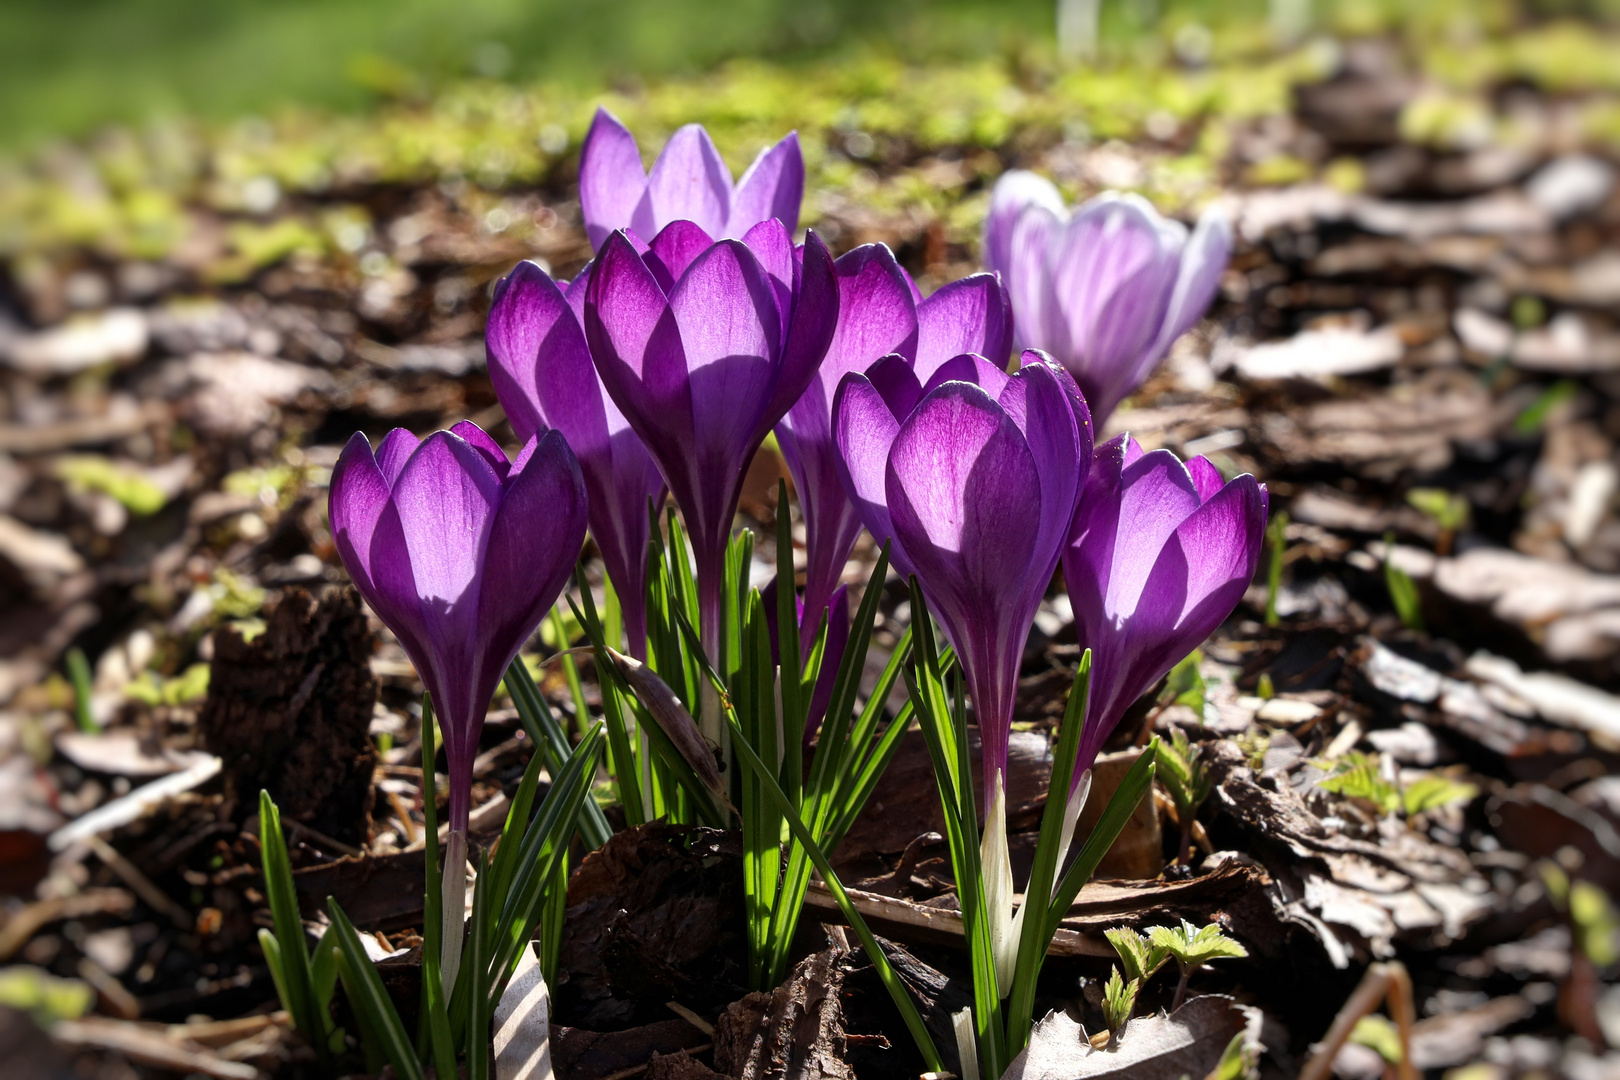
(700, 328)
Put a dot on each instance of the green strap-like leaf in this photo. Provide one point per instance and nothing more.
(369, 999)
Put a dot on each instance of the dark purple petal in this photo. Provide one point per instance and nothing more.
(1039, 402)
(534, 541)
(529, 318)
(728, 323)
(896, 382)
(612, 181)
(971, 315)
(773, 187)
(355, 498)
(969, 369)
(810, 330)
(1206, 476)
(396, 449)
(480, 441)
(773, 247)
(876, 314)
(959, 473)
(673, 251)
(636, 346)
(864, 429)
(690, 181)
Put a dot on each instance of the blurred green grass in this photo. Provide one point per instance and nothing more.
(67, 68)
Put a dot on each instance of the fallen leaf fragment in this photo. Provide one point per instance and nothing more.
(1187, 1042)
(523, 1025)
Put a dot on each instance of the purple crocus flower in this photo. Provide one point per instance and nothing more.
(703, 345)
(979, 474)
(1106, 289)
(461, 553)
(543, 376)
(1160, 554)
(689, 182)
(880, 312)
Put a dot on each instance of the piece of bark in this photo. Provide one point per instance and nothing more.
(796, 1030)
(655, 915)
(378, 892)
(289, 712)
(578, 1054)
(681, 1066)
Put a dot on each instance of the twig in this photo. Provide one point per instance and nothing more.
(1383, 982)
(155, 897)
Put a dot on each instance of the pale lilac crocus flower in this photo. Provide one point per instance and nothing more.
(1105, 289)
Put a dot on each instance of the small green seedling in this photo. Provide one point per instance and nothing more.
(1277, 540)
(1449, 510)
(1187, 779)
(1191, 948)
(1140, 957)
(1403, 591)
(1119, 1000)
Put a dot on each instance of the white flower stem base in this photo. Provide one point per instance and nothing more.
(967, 1043)
(1007, 925)
(453, 903)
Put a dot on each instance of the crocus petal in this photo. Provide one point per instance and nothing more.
(959, 471)
(396, 449)
(673, 250)
(971, 315)
(1114, 272)
(447, 495)
(1037, 314)
(1039, 402)
(1206, 476)
(1016, 191)
(864, 429)
(728, 320)
(612, 181)
(773, 247)
(810, 330)
(358, 493)
(528, 319)
(1158, 494)
(773, 187)
(534, 540)
(690, 180)
(969, 369)
(896, 382)
(876, 315)
(1202, 261)
(637, 349)
(486, 446)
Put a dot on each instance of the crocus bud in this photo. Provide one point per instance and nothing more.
(1107, 289)
(1160, 554)
(689, 182)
